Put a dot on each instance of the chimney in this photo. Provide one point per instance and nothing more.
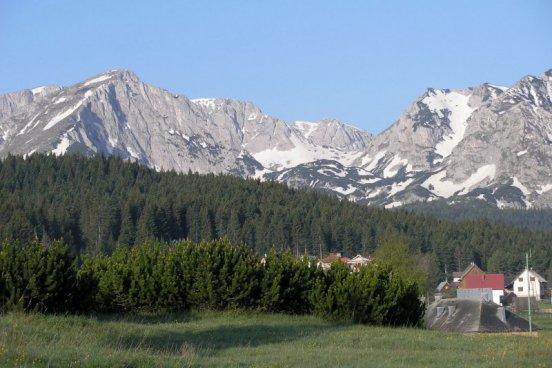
(451, 310)
(501, 314)
(438, 297)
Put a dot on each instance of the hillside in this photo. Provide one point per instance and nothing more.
(96, 203)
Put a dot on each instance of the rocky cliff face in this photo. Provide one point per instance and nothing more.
(488, 142)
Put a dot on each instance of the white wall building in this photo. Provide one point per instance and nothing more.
(537, 285)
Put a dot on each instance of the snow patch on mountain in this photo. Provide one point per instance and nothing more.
(394, 166)
(372, 162)
(544, 188)
(453, 106)
(27, 126)
(516, 183)
(447, 188)
(349, 190)
(399, 187)
(369, 181)
(61, 116)
(99, 79)
(132, 153)
(62, 146)
(37, 90)
(208, 103)
(502, 88)
(301, 153)
(305, 127)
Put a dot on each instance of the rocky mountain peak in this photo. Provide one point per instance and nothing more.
(532, 90)
(334, 133)
(116, 74)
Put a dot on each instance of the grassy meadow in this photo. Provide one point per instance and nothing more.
(234, 339)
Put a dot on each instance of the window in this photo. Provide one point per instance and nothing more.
(520, 279)
(532, 278)
(520, 288)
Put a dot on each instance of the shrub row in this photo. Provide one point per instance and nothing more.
(210, 275)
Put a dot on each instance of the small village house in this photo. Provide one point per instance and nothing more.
(358, 261)
(472, 269)
(443, 287)
(537, 285)
(326, 263)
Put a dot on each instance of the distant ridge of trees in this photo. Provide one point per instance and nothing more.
(537, 219)
(100, 203)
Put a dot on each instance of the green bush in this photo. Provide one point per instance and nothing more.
(287, 283)
(223, 276)
(373, 295)
(213, 275)
(37, 277)
(145, 277)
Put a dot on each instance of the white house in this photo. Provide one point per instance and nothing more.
(357, 261)
(537, 285)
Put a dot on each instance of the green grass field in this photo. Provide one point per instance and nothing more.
(230, 339)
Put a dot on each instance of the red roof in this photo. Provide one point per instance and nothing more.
(331, 258)
(493, 281)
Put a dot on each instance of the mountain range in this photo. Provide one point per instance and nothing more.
(488, 143)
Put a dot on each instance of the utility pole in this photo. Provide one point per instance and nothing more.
(528, 292)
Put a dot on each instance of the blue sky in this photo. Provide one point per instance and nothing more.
(362, 62)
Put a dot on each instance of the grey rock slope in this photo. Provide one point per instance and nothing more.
(489, 142)
(117, 114)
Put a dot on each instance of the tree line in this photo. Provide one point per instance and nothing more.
(99, 204)
(537, 219)
(158, 276)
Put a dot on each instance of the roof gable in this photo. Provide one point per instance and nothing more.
(471, 269)
(442, 285)
(531, 273)
(360, 259)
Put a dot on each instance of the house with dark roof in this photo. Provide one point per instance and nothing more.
(473, 316)
(443, 287)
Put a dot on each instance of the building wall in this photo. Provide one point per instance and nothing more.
(480, 294)
(496, 296)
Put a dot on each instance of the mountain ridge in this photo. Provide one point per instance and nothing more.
(487, 142)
